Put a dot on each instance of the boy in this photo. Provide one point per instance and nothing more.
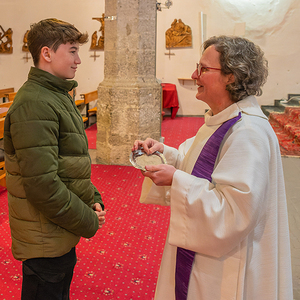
(52, 201)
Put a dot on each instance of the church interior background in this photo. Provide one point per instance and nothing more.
(272, 24)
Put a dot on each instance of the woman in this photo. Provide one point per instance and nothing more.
(228, 236)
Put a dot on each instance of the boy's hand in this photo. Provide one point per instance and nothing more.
(100, 213)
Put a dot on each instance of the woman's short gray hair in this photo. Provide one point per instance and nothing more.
(243, 59)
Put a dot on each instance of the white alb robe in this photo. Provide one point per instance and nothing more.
(237, 224)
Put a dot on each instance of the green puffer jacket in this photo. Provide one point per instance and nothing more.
(50, 193)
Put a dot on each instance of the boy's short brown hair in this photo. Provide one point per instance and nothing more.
(52, 33)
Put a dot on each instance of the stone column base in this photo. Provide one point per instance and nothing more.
(126, 112)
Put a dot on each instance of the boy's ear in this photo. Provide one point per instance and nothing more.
(46, 54)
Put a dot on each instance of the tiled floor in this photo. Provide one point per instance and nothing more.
(291, 168)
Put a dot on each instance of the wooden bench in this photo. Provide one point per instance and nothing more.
(3, 92)
(10, 96)
(78, 103)
(73, 95)
(4, 108)
(6, 94)
(6, 105)
(87, 98)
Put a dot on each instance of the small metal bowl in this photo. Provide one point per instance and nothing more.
(139, 159)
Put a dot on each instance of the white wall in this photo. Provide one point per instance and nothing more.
(19, 14)
(273, 24)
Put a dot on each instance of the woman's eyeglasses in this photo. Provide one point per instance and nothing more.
(201, 69)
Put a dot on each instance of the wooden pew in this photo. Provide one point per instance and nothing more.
(73, 95)
(3, 92)
(4, 108)
(78, 103)
(10, 96)
(87, 98)
(5, 105)
(92, 111)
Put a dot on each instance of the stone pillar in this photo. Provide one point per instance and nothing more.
(129, 98)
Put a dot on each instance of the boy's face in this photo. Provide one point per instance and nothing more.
(64, 61)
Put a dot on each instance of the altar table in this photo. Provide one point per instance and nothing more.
(170, 98)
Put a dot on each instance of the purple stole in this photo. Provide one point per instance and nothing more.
(203, 168)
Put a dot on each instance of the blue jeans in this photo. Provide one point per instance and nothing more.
(48, 278)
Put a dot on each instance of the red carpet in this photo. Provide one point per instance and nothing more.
(122, 260)
(175, 131)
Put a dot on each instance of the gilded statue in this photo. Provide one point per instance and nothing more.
(6, 40)
(25, 42)
(98, 44)
(178, 35)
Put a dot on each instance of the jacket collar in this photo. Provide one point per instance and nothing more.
(50, 81)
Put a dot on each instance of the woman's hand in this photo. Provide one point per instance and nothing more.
(161, 175)
(149, 146)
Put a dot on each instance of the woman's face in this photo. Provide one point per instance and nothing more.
(212, 83)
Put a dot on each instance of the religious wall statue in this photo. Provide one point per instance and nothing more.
(98, 44)
(179, 35)
(25, 42)
(6, 40)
